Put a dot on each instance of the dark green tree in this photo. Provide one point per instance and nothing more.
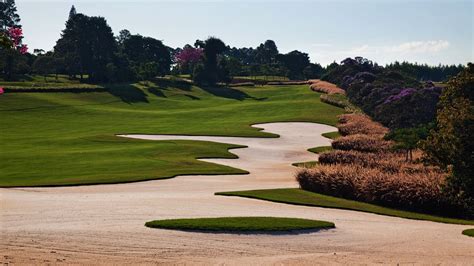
(8, 15)
(408, 139)
(295, 62)
(234, 66)
(450, 144)
(199, 74)
(267, 52)
(148, 70)
(87, 45)
(72, 12)
(143, 50)
(8, 19)
(44, 65)
(313, 71)
(123, 35)
(213, 72)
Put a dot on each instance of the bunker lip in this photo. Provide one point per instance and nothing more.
(104, 223)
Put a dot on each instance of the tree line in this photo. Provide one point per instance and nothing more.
(88, 50)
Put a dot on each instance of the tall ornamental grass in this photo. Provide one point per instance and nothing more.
(364, 167)
(421, 191)
(325, 87)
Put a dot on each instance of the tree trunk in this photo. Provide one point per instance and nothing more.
(9, 67)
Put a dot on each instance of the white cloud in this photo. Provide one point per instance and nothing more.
(361, 49)
(323, 44)
(419, 47)
(413, 50)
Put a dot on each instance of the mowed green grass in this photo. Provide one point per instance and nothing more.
(241, 224)
(50, 139)
(468, 232)
(321, 149)
(332, 135)
(301, 197)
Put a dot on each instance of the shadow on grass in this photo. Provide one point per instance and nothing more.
(178, 84)
(261, 232)
(230, 93)
(128, 93)
(192, 97)
(157, 92)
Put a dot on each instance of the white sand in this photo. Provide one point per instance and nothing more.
(104, 224)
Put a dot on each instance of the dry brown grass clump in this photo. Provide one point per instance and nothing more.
(347, 157)
(351, 124)
(388, 162)
(325, 87)
(360, 142)
(364, 167)
(420, 190)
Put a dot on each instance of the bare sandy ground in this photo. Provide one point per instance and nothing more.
(104, 224)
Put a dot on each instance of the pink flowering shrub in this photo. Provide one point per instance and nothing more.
(2, 91)
(14, 37)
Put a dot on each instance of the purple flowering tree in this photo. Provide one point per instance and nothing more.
(403, 93)
(187, 58)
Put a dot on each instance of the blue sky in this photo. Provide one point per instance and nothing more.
(433, 32)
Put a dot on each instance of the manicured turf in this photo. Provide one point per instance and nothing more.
(316, 150)
(321, 149)
(241, 224)
(301, 197)
(69, 138)
(332, 135)
(468, 232)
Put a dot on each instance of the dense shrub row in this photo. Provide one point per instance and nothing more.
(363, 166)
(332, 99)
(57, 88)
(351, 124)
(419, 190)
(325, 87)
(388, 162)
(332, 95)
(242, 84)
(361, 142)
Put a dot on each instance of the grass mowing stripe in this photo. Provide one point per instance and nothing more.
(241, 224)
(305, 198)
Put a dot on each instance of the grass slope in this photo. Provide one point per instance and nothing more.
(69, 138)
(301, 197)
(241, 224)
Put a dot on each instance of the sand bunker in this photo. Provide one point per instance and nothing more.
(266, 158)
(104, 224)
